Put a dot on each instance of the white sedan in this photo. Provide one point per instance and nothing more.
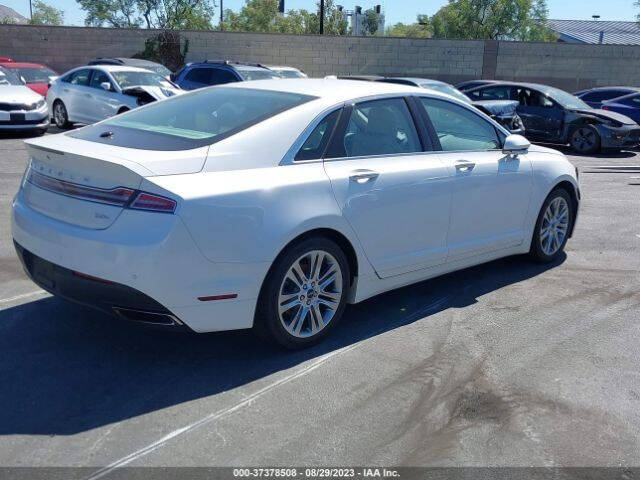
(93, 93)
(272, 205)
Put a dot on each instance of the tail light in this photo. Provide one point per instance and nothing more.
(154, 203)
(119, 196)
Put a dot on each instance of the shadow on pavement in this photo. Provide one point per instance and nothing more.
(66, 369)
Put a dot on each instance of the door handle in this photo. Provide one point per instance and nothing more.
(363, 176)
(65, 90)
(465, 166)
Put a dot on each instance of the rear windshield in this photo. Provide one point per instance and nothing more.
(256, 74)
(132, 78)
(35, 75)
(192, 120)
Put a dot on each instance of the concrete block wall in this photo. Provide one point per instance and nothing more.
(567, 66)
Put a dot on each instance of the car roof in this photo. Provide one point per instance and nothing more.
(417, 80)
(534, 86)
(22, 65)
(332, 90)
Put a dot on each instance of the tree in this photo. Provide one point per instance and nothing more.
(44, 14)
(420, 29)
(263, 16)
(492, 19)
(164, 14)
(371, 22)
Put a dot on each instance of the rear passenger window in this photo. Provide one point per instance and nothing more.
(458, 128)
(199, 75)
(315, 145)
(381, 127)
(221, 76)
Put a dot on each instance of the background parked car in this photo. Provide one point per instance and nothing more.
(468, 85)
(629, 105)
(134, 62)
(91, 94)
(595, 96)
(287, 72)
(502, 111)
(20, 107)
(37, 77)
(219, 72)
(555, 116)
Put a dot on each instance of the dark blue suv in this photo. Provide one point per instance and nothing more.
(217, 72)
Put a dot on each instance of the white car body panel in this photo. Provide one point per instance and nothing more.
(88, 104)
(22, 95)
(239, 203)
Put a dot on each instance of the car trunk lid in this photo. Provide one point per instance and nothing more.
(83, 183)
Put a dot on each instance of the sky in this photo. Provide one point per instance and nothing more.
(395, 10)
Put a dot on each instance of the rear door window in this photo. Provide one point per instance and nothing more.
(80, 77)
(201, 76)
(380, 127)
(220, 76)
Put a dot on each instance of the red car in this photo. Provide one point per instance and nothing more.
(36, 76)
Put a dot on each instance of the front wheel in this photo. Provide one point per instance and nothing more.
(552, 228)
(304, 295)
(585, 140)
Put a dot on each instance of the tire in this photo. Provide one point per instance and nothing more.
(289, 307)
(585, 140)
(60, 115)
(556, 218)
(122, 110)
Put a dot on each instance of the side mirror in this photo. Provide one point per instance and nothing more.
(515, 144)
(106, 86)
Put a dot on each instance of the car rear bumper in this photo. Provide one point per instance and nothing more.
(109, 297)
(151, 261)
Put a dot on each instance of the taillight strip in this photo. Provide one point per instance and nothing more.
(118, 196)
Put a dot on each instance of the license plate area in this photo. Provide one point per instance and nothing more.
(18, 117)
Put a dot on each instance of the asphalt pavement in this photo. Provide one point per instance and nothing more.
(506, 364)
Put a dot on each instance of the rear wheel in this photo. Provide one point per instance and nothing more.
(122, 110)
(552, 228)
(304, 294)
(60, 115)
(585, 140)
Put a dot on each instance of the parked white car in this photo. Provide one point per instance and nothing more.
(286, 72)
(272, 204)
(20, 107)
(92, 93)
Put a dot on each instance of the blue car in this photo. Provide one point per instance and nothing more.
(218, 72)
(594, 97)
(629, 105)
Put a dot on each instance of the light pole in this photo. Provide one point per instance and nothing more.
(321, 17)
(30, 11)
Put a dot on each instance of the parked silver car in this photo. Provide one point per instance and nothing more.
(20, 107)
(92, 93)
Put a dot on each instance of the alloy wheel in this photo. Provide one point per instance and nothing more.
(310, 294)
(60, 115)
(554, 226)
(584, 139)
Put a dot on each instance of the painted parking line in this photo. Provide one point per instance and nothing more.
(20, 297)
(251, 398)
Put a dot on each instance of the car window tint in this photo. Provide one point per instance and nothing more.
(81, 77)
(99, 77)
(601, 95)
(381, 127)
(316, 143)
(500, 92)
(220, 76)
(196, 119)
(459, 128)
(199, 75)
